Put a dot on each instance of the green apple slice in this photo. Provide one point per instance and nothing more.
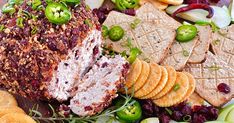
(230, 116)
(221, 17)
(231, 9)
(224, 112)
(216, 121)
(150, 120)
(94, 3)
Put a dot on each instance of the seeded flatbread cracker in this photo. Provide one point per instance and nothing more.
(209, 75)
(134, 73)
(195, 99)
(152, 38)
(192, 85)
(222, 45)
(16, 118)
(170, 82)
(174, 96)
(202, 46)
(149, 13)
(10, 109)
(151, 82)
(6, 99)
(156, 3)
(162, 83)
(179, 54)
(145, 72)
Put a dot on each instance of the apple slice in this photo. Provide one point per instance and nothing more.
(150, 120)
(230, 116)
(224, 112)
(94, 3)
(231, 9)
(221, 17)
(216, 121)
(192, 15)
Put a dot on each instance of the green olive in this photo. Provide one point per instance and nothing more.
(116, 33)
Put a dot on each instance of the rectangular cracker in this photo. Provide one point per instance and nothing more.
(202, 47)
(179, 54)
(149, 36)
(209, 75)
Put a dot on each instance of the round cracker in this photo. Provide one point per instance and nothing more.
(134, 73)
(10, 109)
(192, 85)
(170, 82)
(174, 97)
(142, 78)
(151, 82)
(155, 89)
(6, 99)
(172, 2)
(16, 118)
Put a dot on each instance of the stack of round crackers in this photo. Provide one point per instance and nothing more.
(162, 84)
(9, 110)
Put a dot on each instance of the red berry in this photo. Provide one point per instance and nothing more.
(223, 87)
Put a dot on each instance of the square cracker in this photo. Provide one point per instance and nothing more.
(223, 44)
(149, 36)
(209, 75)
(202, 47)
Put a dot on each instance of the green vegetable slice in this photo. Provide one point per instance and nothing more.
(116, 33)
(132, 112)
(126, 4)
(57, 13)
(105, 31)
(186, 33)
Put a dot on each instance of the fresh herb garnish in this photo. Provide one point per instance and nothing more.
(202, 23)
(19, 22)
(135, 23)
(169, 111)
(214, 68)
(88, 22)
(185, 53)
(34, 30)
(216, 42)
(2, 27)
(36, 4)
(8, 9)
(176, 87)
(187, 118)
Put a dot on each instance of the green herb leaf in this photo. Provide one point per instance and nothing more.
(134, 52)
(34, 30)
(169, 111)
(176, 87)
(214, 27)
(36, 4)
(135, 23)
(8, 9)
(214, 68)
(105, 31)
(2, 27)
(216, 42)
(185, 53)
(88, 22)
(19, 22)
(187, 118)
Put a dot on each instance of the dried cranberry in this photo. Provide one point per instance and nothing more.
(64, 110)
(131, 12)
(177, 115)
(164, 118)
(223, 87)
(186, 110)
(213, 113)
(198, 118)
(95, 50)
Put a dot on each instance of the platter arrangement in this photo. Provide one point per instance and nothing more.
(116, 61)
